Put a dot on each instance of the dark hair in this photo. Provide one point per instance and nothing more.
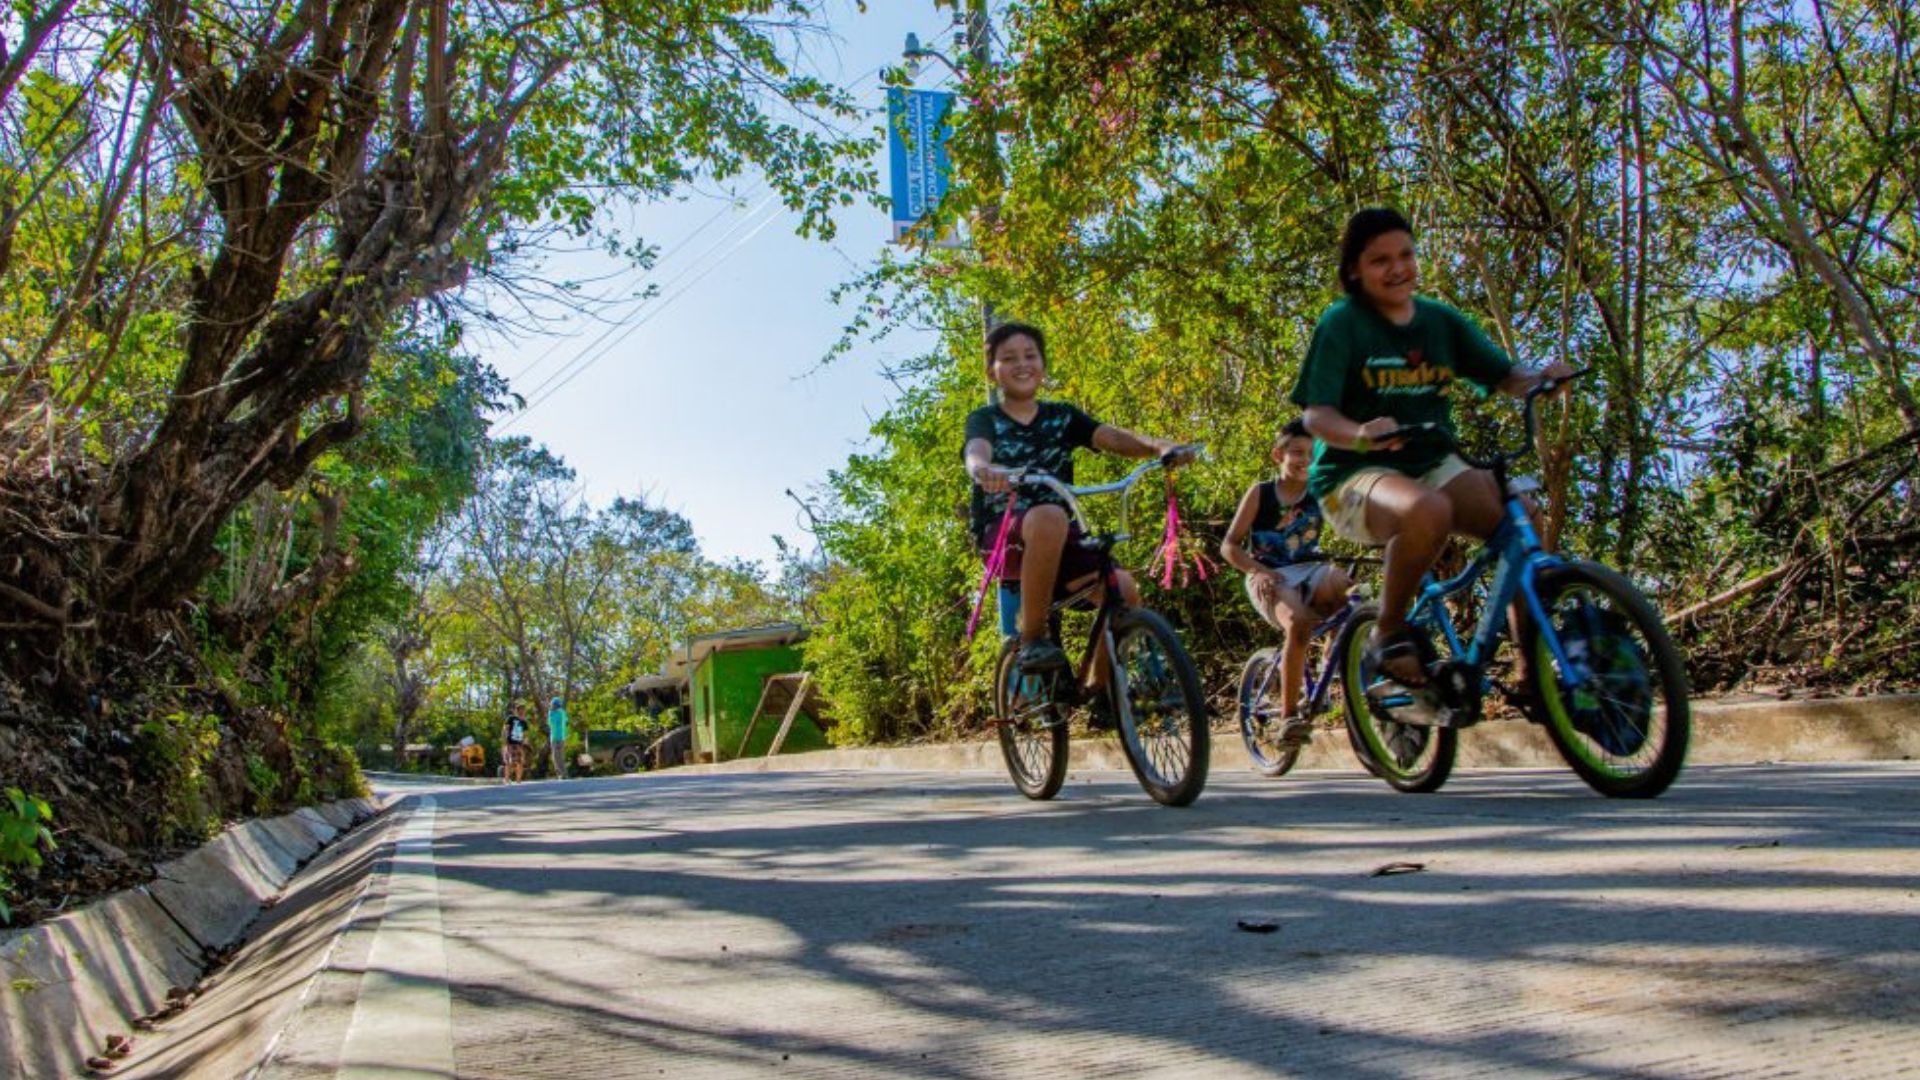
(998, 336)
(1295, 428)
(1361, 230)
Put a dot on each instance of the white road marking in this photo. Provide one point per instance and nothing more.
(403, 1019)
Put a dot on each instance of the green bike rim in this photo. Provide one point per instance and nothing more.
(1413, 755)
(1613, 701)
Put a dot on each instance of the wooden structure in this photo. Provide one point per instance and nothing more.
(785, 694)
(723, 683)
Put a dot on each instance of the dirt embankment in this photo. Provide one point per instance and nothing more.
(148, 764)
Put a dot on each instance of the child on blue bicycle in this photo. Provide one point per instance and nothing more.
(1274, 539)
(1379, 359)
(1023, 432)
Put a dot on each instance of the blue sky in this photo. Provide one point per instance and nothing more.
(710, 400)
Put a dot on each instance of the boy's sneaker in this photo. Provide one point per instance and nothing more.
(1295, 731)
(1039, 656)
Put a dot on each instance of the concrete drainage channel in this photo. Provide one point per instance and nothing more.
(74, 982)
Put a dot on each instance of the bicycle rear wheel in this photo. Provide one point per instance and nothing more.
(1162, 713)
(1411, 758)
(1033, 726)
(1262, 715)
(1621, 717)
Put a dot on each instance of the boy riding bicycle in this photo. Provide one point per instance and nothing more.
(1275, 540)
(1380, 359)
(1022, 432)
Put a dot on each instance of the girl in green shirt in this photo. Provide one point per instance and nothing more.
(1380, 358)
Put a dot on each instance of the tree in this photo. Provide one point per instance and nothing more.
(240, 205)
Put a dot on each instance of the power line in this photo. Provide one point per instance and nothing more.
(580, 366)
(607, 341)
(589, 351)
(728, 206)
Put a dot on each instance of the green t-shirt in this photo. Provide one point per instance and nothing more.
(1367, 367)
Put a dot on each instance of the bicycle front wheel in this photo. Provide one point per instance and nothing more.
(1620, 716)
(1162, 713)
(1263, 715)
(1033, 726)
(1411, 758)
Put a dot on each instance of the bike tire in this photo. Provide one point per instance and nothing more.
(1033, 736)
(1336, 656)
(1267, 760)
(1161, 710)
(1411, 759)
(1608, 744)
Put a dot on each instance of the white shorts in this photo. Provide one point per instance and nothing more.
(1346, 505)
(1303, 578)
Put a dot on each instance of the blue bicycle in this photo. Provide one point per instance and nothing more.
(1607, 682)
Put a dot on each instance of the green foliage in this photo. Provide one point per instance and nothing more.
(24, 834)
(263, 782)
(1166, 182)
(173, 752)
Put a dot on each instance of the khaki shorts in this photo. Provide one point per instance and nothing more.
(1346, 505)
(1303, 578)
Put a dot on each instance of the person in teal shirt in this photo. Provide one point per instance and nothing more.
(1380, 358)
(557, 737)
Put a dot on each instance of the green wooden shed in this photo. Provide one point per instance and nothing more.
(727, 678)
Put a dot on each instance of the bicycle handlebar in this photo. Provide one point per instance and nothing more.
(1499, 461)
(1123, 486)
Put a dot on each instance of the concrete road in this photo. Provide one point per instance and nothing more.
(1757, 921)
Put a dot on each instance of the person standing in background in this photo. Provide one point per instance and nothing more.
(557, 737)
(513, 747)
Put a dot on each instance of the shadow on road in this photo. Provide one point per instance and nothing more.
(940, 927)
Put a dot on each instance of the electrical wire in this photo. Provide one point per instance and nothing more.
(607, 341)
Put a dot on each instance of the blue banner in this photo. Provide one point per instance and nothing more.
(917, 133)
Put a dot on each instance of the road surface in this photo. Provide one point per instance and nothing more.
(1757, 921)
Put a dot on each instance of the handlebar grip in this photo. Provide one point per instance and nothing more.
(1549, 385)
(1166, 459)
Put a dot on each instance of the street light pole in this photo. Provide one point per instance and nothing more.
(980, 51)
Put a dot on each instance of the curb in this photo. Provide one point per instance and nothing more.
(434, 778)
(68, 983)
(1879, 728)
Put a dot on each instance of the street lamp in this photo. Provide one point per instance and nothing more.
(913, 53)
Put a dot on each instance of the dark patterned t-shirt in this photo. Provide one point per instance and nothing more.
(1046, 444)
(1283, 533)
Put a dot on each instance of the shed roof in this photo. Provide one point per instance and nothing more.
(698, 648)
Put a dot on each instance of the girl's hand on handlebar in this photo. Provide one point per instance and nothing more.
(1379, 433)
(1557, 376)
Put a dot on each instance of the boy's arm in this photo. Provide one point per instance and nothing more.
(1119, 441)
(978, 454)
(1231, 547)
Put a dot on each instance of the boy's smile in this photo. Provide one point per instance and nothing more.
(1293, 457)
(1018, 367)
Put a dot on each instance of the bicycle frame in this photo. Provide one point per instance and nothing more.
(1516, 556)
(1106, 579)
(1319, 682)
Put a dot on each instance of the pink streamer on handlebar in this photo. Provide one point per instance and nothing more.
(996, 561)
(1168, 557)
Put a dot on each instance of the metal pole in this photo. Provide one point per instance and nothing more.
(980, 52)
